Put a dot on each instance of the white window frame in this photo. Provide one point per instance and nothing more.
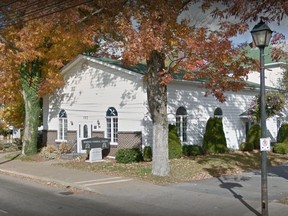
(181, 123)
(112, 125)
(218, 113)
(62, 126)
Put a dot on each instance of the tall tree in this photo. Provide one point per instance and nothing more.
(143, 30)
(32, 52)
(153, 32)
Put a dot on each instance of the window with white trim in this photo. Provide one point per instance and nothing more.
(218, 112)
(181, 123)
(112, 125)
(63, 126)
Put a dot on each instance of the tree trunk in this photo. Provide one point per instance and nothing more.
(157, 102)
(30, 77)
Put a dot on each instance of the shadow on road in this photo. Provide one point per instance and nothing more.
(281, 171)
(8, 160)
(229, 186)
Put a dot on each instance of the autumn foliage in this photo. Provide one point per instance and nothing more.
(156, 32)
(54, 40)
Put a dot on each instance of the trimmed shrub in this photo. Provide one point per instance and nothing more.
(65, 148)
(174, 143)
(192, 150)
(282, 133)
(281, 148)
(147, 154)
(214, 140)
(253, 138)
(49, 152)
(185, 150)
(128, 155)
(196, 150)
(246, 146)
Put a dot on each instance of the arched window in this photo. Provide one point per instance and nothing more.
(218, 112)
(181, 123)
(112, 125)
(63, 127)
(85, 131)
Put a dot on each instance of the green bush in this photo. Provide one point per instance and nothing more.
(186, 150)
(214, 140)
(128, 155)
(246, 146)
(281, 148)
(192, 150)
(282, 133)
(174, 143)
(147, 154)
(253, 138)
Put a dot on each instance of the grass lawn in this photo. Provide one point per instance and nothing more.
(184, 169)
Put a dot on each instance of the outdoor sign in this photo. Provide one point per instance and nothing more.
(265, 144)
(97, 142)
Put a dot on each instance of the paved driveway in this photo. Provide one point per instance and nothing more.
(246, 186)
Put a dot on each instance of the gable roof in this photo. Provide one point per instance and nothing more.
(254, 53)
(137, 70)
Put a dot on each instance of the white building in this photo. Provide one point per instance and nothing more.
(273, 75)
(102, 98)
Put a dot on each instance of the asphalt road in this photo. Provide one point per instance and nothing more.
(21, 197)
(245, 186)
(90, 193)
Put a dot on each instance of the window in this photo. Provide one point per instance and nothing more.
(218, 112)
(112, 124)
(62, 131)
(85, 131)
(181, 123)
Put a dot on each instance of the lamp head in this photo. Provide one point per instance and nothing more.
(261, 34)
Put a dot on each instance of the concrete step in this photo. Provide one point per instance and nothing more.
(72, 156)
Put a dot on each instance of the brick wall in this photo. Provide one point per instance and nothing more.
(127, 140)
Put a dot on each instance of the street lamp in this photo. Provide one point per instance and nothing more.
(261, 34)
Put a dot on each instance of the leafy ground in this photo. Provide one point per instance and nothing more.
(184, 169)
(181, 170)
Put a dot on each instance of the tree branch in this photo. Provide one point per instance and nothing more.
(9, 45)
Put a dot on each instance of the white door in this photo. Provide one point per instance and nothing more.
(84, 132)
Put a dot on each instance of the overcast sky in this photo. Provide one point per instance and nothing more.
(283, 28)
(198, 17)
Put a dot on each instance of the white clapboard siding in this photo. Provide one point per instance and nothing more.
(200, 109)
(90, 89)
(92, 86)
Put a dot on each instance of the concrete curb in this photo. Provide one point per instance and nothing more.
(48, 181)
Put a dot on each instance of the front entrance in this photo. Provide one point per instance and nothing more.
(84, 132)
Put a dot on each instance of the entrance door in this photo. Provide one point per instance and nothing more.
(83, 132)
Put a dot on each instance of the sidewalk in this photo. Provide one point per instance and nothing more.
(230, 195)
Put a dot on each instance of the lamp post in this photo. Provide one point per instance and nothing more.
(261, 34)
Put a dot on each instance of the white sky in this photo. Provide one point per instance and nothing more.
(198, 17)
